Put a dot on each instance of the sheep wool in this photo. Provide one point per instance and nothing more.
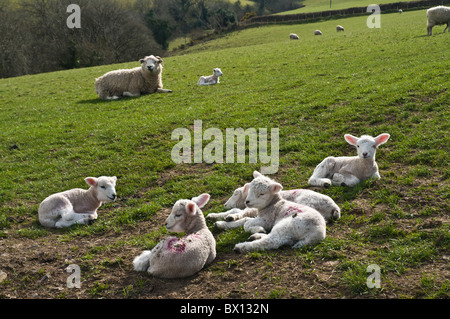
(437, 16)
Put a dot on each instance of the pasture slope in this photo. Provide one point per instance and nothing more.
(54, 132)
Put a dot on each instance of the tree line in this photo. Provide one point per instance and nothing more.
(35, 37)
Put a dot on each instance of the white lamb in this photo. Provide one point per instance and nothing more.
(317, 32)
(77, 206)
(350, 170)
(437, 16)
(279, 222)
(237, 209)
(210, 79)
(181, 257)
(339, 28)
(132, 82)
(293, 36)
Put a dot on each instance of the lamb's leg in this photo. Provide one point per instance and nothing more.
(345, 179)
(254, 225)
(224, 215)
(69, 218)
(230, 225)
(322, 172)
(142, 262)
(273, 240)
(446, 27)
(159, 90)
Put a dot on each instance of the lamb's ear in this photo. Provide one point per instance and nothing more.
(257, 174)
(275, 187)
(245, 189)
(91, 181)
(201, 200)
(160, 60)
(381, 139)
(351, 139)
(191, 208)
(141, 61)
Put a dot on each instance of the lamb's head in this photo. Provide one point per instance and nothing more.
(104, 186)
(151, 64)
(366, 145)
(217, 72)
(262, 191)
(185, 212)
(237, 200)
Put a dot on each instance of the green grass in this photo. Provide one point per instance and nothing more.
(324, 5)
(54, 132)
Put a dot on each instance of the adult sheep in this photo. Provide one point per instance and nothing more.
(437, 16)
(132, 82)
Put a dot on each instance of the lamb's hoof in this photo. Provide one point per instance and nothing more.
(229, 219)
(326, 185)
(343, 184)
(237, 250)
(90, 221)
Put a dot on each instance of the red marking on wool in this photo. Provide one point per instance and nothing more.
(176, 245)
(291, 210)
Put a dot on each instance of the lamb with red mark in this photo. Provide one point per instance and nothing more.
(181, 257)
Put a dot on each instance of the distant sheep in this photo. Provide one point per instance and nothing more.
(77, 206)
(279, 222)
(236, 203)
(293, 36)
(400, 11)
(339, 28)
(145, 79)
(210, 79)
(317, 32)
(350, 170)
(437, 16)
(176, 257)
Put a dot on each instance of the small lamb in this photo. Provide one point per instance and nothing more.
(437, 16)
(293, 36)
(350, 170)
(210, 79)
(287, 223)
(181, 257)
(145, 79)
(236, 203)
(317, 32)
(339, 28)
(77, 206)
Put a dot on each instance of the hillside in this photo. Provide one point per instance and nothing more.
(54, 132)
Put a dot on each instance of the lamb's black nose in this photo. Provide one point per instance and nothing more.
(247, 201)
(365, 154)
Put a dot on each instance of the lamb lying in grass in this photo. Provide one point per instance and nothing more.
(77, 206)
(181, 257)
(132, 82)
(236, 203)
(210, 79)
(350, 170)
(279, 222)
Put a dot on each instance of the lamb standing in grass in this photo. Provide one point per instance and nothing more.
(210, 79)
(350, 170)
(339, 28)
(77, 206)
(293, 36)
(317, 32)
(132, 82)
(437, 16)
(181, 257)
(287, 223)
(237, 209)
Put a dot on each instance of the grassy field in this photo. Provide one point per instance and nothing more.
(54, 132)
(324, 5)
